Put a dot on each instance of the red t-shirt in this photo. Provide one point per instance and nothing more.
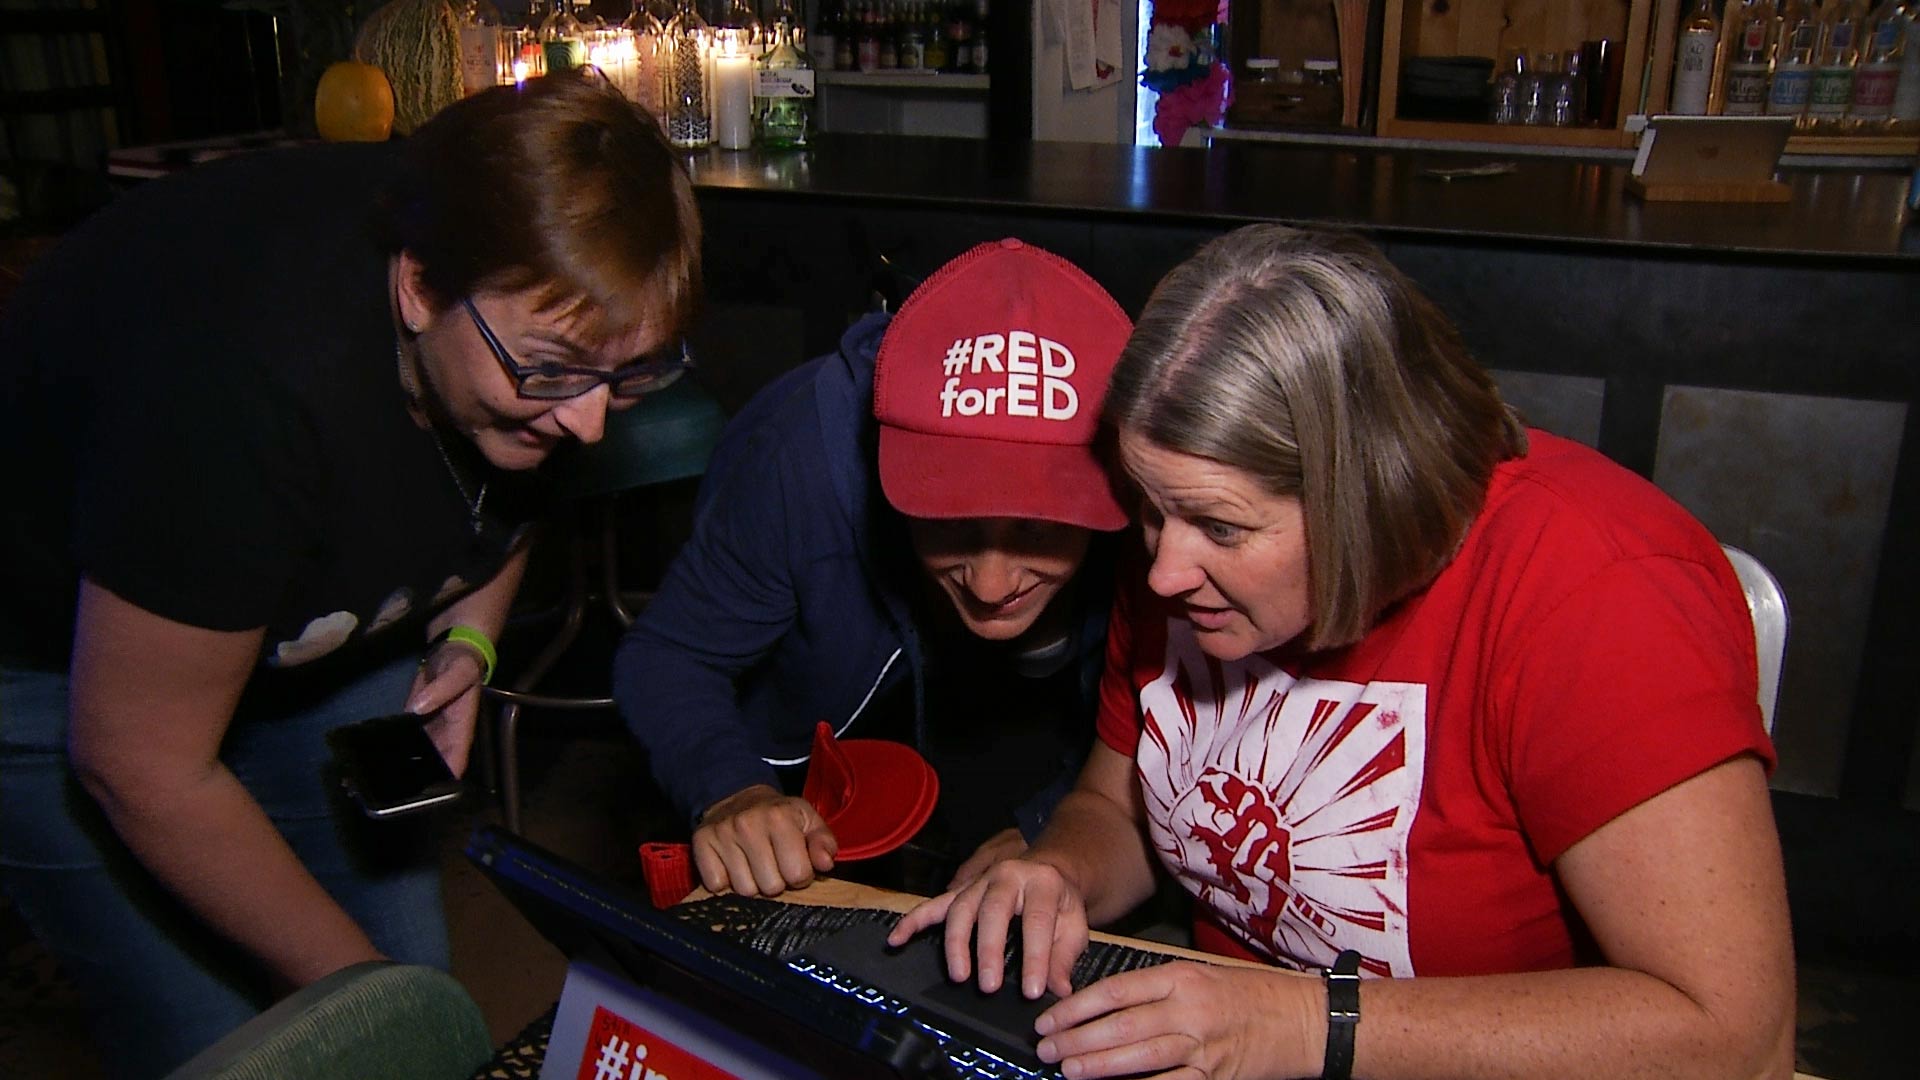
(1406, 796)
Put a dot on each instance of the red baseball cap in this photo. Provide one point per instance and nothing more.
(988, 390)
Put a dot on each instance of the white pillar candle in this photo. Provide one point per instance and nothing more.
(732, 99)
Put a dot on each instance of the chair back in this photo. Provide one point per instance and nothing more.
(1767, 603)
(373, 1021)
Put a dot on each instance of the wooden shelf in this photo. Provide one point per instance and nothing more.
(1488, 28)
(1861, 145)
(936, 81)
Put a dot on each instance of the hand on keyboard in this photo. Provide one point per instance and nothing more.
(979, 917)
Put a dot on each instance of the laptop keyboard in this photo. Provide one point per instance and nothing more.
(786, 932)
(966, 1060)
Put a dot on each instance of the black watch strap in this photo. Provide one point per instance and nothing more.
(1343, 1015)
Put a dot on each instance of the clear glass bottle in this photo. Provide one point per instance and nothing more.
(1693, 60)
(1833, 72)
(1793, 59)
(783, 98)
(1568, 101)
(1749, 65)
(647, 37)
(689, 124)
(563, 41)
(483, 45)
(1906, 96)
(1536, 89)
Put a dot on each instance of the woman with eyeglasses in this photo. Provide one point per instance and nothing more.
(275, 428)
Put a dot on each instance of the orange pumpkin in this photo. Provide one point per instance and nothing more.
(353, 103)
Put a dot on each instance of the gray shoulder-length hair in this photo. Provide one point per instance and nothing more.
(1306, 360)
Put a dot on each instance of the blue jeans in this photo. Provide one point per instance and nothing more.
(163, 985)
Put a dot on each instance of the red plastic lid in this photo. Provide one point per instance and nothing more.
(872, 793)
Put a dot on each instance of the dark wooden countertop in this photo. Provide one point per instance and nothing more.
(1845, 215)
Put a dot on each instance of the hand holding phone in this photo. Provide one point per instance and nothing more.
(390, 766)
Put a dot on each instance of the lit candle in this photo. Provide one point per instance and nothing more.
(732, 96)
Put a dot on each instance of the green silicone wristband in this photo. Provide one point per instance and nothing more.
(479, 640)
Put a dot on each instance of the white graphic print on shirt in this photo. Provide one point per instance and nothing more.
(1285, 805)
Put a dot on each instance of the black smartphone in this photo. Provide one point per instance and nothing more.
(389, 765)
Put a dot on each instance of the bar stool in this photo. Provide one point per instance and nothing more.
(665, 437)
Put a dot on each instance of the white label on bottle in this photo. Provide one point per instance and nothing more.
(1693, 72)
(1873, 86)
(479, 57)
(1789, 94)
(1746, 89)
(785, 82)
(1831, 93)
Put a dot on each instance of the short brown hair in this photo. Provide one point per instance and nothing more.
(559, 183)
(1305, 359)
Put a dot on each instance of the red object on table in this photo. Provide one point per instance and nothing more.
(872, 793)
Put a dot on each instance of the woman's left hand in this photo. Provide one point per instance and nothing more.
(446, 692)
(1188, 1020)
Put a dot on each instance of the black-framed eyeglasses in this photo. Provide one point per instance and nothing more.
(557, 382)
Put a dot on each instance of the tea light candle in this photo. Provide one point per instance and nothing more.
(732, 97)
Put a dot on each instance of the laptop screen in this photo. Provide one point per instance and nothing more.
(815, 987)
(744, 992)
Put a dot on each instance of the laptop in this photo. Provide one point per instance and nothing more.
(1694, 150)
(647, 981)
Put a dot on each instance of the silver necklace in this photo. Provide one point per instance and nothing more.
(474, 501)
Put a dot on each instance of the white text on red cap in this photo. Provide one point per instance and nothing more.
(1036, 370)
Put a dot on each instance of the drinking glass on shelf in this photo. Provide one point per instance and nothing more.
(1536, 89)
(1506, 86)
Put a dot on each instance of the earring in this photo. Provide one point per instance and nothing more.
(412, 327)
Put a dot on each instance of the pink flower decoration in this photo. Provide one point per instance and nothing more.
(1200, 102)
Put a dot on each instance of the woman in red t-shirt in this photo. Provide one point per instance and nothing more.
(1409, 692)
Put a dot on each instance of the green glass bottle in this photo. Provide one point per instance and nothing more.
(783, 93)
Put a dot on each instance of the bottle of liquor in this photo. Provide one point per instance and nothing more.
(868, 50)
(483, 44)
(980, 37)
(959, 37)
(825, 39)
(647, 86)
(563, 41)
(783, 96)
(1745, 92)
(939, 49)
(689, 125)
(1877, 77)
(1793, 59)
(913, 40)
(1906, 96)
(1693, 59)
(885, 20)
(846, 47)
(1833, 72)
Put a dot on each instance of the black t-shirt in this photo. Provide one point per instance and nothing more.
(202, 414)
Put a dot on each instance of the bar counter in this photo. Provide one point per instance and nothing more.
(1384, 191)
(1758, 362)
